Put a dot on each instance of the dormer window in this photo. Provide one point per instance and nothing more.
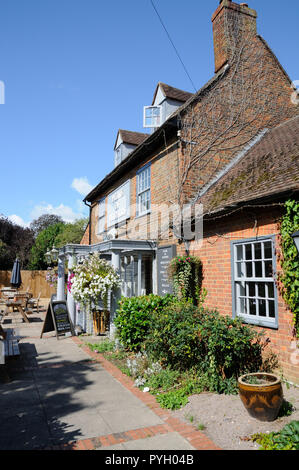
(165, 102)
(152, 116)
(126, 143)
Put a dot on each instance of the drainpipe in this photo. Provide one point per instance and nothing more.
(89, 223)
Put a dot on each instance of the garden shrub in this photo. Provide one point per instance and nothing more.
(173, 336)
(286, 439)
(134, 316)
(173, 400)
(230, 347)
(163, 379)
(221, 348)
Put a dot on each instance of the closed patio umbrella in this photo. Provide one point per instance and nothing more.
(16, 279)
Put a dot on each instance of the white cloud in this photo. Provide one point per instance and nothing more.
(15, 219)
(81, 185)
(65, 212)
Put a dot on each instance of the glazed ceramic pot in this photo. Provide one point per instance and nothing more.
(261, 394)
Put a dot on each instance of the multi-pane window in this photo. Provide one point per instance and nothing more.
(254, 288)
(152, 116)
(101, 220)
(118, 204)
(143, 191)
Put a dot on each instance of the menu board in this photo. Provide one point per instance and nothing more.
(58, 319)
(164, 255)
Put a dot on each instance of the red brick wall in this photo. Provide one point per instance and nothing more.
(241, 18)
(254, 94)
(163, 191)
(85, 238)
(215, 254)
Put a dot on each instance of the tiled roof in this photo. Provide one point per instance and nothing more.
(173, 93)
(133, 138)
(268, 168)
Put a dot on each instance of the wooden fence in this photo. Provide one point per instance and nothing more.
(34, 280)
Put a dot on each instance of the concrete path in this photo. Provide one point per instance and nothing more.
(62, 396)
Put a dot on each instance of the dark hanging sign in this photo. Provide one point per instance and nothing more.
(58, 319)
(164, 255)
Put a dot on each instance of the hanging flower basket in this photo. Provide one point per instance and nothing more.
(90, 283)
(186, 275)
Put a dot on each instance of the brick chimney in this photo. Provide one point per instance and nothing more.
(232, 22)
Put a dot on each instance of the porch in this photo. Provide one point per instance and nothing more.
(134, 260)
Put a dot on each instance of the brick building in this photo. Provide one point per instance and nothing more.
(232, 147)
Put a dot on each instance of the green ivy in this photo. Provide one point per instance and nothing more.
(290, 260)
(186, 275)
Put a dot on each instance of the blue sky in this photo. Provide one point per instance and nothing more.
(75, 71)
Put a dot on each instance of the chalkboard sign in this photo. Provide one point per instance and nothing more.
(58, 319)
(164, 255)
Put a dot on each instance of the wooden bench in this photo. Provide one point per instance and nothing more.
(9, 347)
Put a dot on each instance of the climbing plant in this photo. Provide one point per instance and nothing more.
(186, 275)
(289, 278)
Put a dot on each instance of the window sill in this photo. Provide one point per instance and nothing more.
(259, 322)
(142, 215)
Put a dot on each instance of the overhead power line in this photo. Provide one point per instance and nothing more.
(173, 45)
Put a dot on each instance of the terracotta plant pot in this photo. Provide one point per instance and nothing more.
(261, 394)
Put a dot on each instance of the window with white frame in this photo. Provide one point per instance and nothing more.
(143, 203)
(101, 217)
(254, 290)
(152, 116)
(118, 204)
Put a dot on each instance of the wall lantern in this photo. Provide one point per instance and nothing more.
(52, 256)
(295, 237)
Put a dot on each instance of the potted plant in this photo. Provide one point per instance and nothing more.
(90, 283)
(261, 394)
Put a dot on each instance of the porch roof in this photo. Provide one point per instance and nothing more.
(110, 246)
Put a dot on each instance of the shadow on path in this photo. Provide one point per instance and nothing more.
(34, 405)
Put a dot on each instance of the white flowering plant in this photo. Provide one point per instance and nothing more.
(92, 280)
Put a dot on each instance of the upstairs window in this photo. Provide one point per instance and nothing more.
(101, 220)
(118, 207)
(152, 116)
(254, 290)
(143, 202)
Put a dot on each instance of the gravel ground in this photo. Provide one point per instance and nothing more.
(228, 423)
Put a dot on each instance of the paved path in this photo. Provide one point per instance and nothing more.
(63, 396)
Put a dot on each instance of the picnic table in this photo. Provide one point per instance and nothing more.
(18, 305)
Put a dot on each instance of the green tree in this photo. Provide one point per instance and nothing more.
(44, 221)
(71, 233)
(15, 241)
(44, 240)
